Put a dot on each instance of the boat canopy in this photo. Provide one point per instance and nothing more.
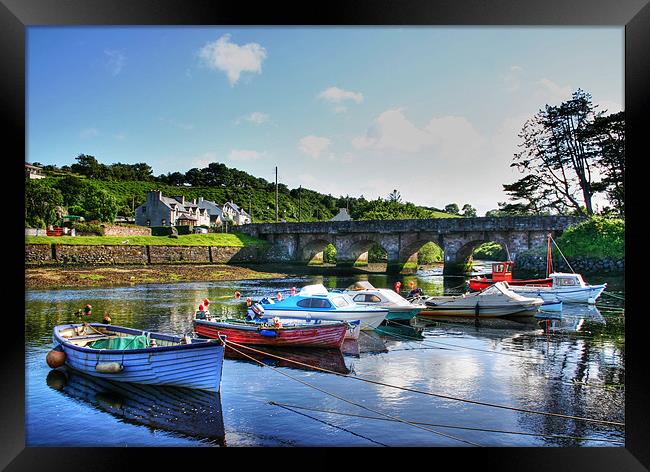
(564, 279)
(361, 285)
(311, 290)
(504, 289)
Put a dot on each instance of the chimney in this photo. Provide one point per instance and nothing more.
(153, 196)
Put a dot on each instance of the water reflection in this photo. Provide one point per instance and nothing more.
(295, 358)
(188, 412)
(576, 367)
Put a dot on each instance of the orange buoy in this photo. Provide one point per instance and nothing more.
(398, 285)
(55, 358)
(293, 291)
(206, 302)
(279, 296)
(411, 284)
(237, 294)
(88, 309)
(249, 301)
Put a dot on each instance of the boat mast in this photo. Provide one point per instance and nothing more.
(549, 259)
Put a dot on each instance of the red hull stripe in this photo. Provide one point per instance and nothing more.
(322, 336)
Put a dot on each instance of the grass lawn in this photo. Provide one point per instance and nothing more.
(210, 239)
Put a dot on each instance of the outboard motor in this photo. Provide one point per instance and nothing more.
(256, 311)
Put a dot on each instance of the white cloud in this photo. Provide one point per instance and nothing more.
(232, 58)
(245, 155)
(608, 106)
(89, 133)
(313, 146)
(257, 117)
(338, 95)
(115, 61)
(120, 136)
(549, 92)
(392, 131)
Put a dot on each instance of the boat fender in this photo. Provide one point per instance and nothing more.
(206, 302)
(279, 297)
(293, 291)
(109, 367)
(269, 333)
(276, 322)
(249, 301)
(56, 357)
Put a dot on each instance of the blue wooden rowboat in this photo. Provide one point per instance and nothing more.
(130, 355)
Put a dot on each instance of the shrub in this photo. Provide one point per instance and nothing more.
(161, 230)
(490, 252)
(88, 228)
(430, 253)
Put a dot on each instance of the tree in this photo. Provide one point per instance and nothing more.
(557, 157)
(42, 203)
(452, 209)
(88, 166)
(98, 204)
(607, 134)
(394, 196)
(469, 210)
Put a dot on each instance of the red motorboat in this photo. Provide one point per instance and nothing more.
(502, 272)
(314, 333)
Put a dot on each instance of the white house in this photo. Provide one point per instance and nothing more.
(236, 214)
(164, 211)
(342, 215)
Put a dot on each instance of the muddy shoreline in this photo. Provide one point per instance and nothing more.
(43, 278)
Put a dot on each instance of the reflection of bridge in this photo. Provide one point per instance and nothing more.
(402, 239)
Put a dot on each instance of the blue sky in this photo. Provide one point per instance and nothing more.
(430, 111)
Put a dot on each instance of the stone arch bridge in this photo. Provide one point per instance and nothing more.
(402, 239)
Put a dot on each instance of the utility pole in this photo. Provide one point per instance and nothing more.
(299, 202)
(276, 194)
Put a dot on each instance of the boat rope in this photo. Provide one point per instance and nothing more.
(290, 408)
(558, 248)
(427, 341)
(487, 430)
(612, 295)
(438, 395)
(394, 418)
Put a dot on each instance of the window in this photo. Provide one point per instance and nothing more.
(148, 222)
(340, 302)
(497, 268)
(304, 303)
(564, 282)
(163, 222)
(365, 298)
(320, 303)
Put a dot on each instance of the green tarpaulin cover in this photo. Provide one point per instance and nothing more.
(121, 343)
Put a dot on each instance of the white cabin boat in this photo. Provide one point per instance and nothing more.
(399, 308)
(496, 300)
(568, 288)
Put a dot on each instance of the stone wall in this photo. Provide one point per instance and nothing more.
(100, 254)
(582, 265)
(116, 230)
(36, 254)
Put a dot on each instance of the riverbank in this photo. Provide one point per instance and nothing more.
(41, 278)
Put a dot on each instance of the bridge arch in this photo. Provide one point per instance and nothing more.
(354, 251)
(408, 254)
(313, 251)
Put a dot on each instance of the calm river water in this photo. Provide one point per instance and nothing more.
(573, 366)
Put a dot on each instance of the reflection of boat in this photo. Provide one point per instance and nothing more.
(502, 271)
(551, 305)
(364, 293)
(496, 300)
(316, 302)
(330, 359)
(569, 288)
(320, 333)
(131, 355)
(400, 331)
(190, 412)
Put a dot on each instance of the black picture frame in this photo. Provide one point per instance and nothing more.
(634, 15)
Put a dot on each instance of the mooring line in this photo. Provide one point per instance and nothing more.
(426, 339)
(288, 407)
(439, 395)
(554, 436)
(394, 418)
